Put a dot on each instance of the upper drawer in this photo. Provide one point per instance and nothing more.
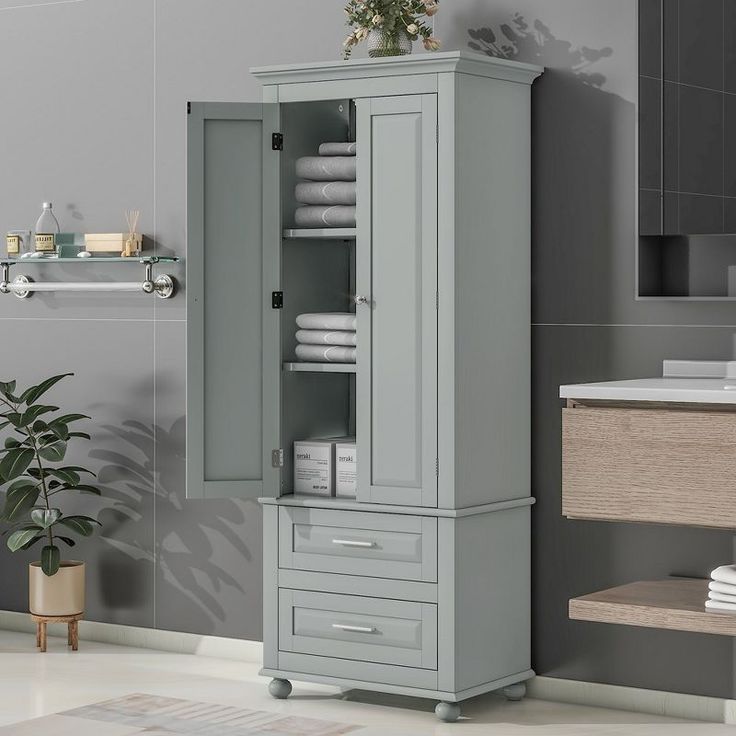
(357, 543)
(650, 465)
(354, 627)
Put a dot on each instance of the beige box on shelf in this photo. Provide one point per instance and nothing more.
(314, 463)
(111, 242)
(346, 468)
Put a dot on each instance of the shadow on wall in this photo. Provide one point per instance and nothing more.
(183, 548)
(583, 174)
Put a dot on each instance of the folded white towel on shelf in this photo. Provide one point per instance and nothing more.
(325, 353)
(725, 574)
(722, 597)
(326, 337)
(327, 321)
(724, 588)
(325, 192)
(326, 168)
(337, 215)
(337, 149)
(720, 606)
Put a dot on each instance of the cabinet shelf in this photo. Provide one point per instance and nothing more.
(676, 604)
(320, 367)
(49, 260)
(328, 233)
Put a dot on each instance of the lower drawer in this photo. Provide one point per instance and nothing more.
(358, 628)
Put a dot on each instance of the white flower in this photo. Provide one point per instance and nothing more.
(377, 20)
(431, 43)
(412, 29)
(431, 8)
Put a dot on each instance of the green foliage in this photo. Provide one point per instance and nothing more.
(392, 17)
(32, 473)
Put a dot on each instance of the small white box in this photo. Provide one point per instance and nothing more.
(346, 469)
(314, 462)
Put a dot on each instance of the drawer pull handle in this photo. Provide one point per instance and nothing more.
(355, 629)
(353, 543)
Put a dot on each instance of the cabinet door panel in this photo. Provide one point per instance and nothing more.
(397, 271)
(232, 338)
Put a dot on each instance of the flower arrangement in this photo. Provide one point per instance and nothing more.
(392, 17)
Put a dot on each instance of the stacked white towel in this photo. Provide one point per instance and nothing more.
(328, 194)
(722, 589)
(326, 337)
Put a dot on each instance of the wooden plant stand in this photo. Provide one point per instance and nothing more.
(71, 621)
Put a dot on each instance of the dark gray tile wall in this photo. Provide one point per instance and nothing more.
(116, 140)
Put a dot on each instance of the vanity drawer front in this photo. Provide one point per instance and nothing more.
(358, 628)
(358, 543)
(650, 465)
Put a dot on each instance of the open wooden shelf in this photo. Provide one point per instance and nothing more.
(677, 604)
(321, 233)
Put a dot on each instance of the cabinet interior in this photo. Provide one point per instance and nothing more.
(317, 275)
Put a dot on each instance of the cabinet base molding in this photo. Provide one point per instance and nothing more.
(414, 692)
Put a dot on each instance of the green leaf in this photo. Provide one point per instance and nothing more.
(50, 559)
(33, 394)
(84, 525)
(15, 463)
(33, 541)
(7, 388)
(11, 442)
(30, 415)
(45, 517)
(54, 451)
(83, 435)
(4, 424)
(39, 426)
(69, 418)
(69, 542)
(66, 475)
(86, 489)
(19, 500)
(19, 539)
(61, 431)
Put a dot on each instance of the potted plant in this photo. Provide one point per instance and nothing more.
(390, 26)
(33, 473)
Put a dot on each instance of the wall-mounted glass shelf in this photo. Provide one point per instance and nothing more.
(45, 260)
(327, 233)
(23, 286)
(320, 367)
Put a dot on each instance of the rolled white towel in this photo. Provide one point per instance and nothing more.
(326, 168)
(327, 321)
(326, 337)
(326, 192)
(724, 588)
(325, 353)
(725, 574)
(336, 215)
(722, 597)
(720, 606)
(337, 149)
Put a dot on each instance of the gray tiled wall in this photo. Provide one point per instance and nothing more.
(98, 125)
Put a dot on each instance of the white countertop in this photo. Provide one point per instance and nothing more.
(697, 382)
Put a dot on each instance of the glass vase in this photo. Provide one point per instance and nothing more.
(382, 43)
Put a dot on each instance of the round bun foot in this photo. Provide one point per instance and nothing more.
(279, 689)
(515, 692)
(447, 712)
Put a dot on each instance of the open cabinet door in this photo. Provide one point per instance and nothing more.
(233, 340)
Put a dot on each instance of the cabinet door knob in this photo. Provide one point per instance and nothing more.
(361, 300)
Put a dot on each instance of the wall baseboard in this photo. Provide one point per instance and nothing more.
(638, 700)
(157, 639)
(575, 692)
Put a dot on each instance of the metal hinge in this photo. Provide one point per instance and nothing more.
(437, 467)
(277, 458)
(437, 300)
(189, 108)
(438, 134)
(277, 300)
(277, 141)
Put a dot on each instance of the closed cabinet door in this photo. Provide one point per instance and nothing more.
(396, 300)
(233, 356)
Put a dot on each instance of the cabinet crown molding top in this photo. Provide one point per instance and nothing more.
(682, 381)
(459, 62)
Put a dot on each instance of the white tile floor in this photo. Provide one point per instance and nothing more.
(34, 684)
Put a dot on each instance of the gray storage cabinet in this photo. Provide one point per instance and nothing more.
(421, 585)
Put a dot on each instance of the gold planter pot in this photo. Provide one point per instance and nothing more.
(59, 595)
